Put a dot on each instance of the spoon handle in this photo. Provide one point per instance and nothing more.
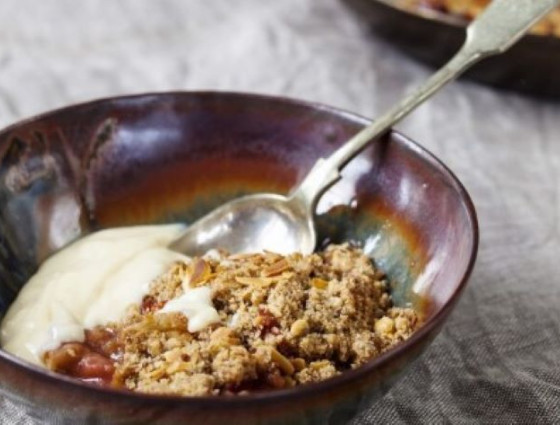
(501, 24)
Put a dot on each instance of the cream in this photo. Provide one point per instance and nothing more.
(196, 304)
(92, 282)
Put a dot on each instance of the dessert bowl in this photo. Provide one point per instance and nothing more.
(530, 66)
(172, 157)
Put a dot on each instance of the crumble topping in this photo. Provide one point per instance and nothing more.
(283, 321)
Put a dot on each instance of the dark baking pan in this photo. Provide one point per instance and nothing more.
(531, 66)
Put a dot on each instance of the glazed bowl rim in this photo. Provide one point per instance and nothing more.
(305, 390)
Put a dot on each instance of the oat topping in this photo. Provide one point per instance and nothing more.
(283, 321)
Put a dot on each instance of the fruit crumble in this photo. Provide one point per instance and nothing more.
(279, 321)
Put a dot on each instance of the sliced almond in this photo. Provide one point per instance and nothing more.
(276, 268)
(241, 256)
(282, 362)
(199, 271)
(256, 281)
(299, 328)
(157, 373)
(319, 364)
(173, 356)
(270, 255)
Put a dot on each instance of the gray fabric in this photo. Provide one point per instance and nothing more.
(497, 360)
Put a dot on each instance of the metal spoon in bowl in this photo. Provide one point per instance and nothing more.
(285, 224)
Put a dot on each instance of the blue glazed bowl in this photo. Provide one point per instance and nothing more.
(170, 157)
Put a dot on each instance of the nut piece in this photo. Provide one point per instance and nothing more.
(276, 268)
(299, 328)
(282, 362)
(319, 283)
(384, 326)
(200, 272)
(299, 363)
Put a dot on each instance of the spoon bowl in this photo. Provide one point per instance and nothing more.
(252, 223)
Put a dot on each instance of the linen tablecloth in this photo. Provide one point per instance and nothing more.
(497, 359)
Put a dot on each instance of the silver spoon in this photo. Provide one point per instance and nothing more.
(285, 224)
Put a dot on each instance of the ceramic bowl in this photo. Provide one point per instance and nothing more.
(530, 66)
(171, 157)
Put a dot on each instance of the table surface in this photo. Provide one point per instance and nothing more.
(497, 359)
